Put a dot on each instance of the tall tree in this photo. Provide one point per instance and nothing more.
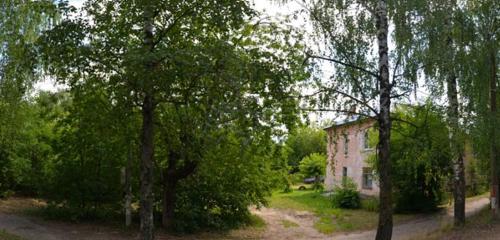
(437, 50)
(362, 83)
(481, 95)
(21, 23)
(248, 83)
(163, 54)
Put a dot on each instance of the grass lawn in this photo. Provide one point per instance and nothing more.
(330, 219)
(7, 236)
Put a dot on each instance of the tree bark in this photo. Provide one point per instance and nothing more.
(384, 229)
(128, 189)
(168, 203)
(147, 137)
(146, 202)
(453, 114)
(457, 152)
(173, 174)
(493, 138)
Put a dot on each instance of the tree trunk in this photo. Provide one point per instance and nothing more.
(146, 202)
(147, 138)
(384, 229)
(168, 203)
(128, 189)
(172, 176)
(493, 139)
(457, 152)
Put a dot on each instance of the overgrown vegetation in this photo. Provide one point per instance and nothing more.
(346, 195)
(314, 166)
(421, 158)
(186, 112)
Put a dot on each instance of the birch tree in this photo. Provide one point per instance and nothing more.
(363, 83)
(481, 85)
(454, 39)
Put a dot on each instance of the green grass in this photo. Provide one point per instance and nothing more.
(4, 235)
(479, 226)
(256, 222)
(330, 219)
(288, 224)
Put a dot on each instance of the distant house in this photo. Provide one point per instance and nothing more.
(347, 151)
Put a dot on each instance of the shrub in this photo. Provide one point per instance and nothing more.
(346, 196)
(313, 166)
(421, 160)
(220, 201)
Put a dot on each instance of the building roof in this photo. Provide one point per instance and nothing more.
(349, 120)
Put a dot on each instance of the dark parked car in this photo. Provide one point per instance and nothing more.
(313, 179)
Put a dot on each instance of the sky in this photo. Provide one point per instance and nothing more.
(272, 9)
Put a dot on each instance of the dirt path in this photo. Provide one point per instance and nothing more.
(275, 229)
(276, 221)
(32, 228)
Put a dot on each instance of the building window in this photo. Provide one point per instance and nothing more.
(346, 144)
(344, 175)
(366, 142)
(367, 178)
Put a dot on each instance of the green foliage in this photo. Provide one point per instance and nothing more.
(220, 201)
(21, 131)
(303, 142)
(313, 165)
(27, 146)
(421, 158)
(346, 196)
(214, 69)
(91, 148)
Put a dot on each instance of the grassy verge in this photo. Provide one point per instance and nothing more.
(288, 224)
(479, 226)
(4, 235)
(330, 219)
(256, 222)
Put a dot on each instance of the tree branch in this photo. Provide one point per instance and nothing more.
(308, 55)
(163, 32)
(401, 94)
(403, 121)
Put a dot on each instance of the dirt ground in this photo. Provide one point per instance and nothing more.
(300, 226)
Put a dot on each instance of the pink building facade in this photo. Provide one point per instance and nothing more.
(347, 151)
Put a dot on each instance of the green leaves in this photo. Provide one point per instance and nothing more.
(313, 165)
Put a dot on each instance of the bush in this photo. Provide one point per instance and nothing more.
(220, 201)
(346, 196)
(421, 160)
(370, 204)
(313, 165)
